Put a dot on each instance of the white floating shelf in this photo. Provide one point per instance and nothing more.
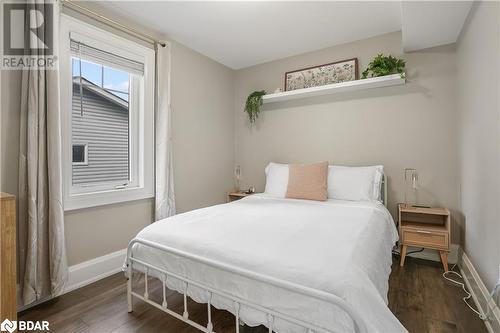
(375, 82)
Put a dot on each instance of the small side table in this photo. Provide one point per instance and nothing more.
(425, 227)
(233, 196)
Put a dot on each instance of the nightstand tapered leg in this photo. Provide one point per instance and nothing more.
(444, 259)
(403, 255)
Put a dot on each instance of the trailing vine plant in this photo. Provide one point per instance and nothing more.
(383, 65)
(253, 104)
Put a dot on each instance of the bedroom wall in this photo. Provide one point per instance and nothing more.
(478, 91)
(400, 127)
(203, 137)
(203, 129)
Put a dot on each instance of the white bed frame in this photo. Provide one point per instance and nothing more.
(147, 269)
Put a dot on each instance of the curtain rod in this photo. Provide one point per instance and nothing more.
(110, 22)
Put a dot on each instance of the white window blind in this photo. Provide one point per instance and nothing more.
(81, 50)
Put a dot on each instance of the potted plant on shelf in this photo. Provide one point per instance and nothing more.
(253, 104)
(383, 65)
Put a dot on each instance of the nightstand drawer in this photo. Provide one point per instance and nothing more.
(424, 238)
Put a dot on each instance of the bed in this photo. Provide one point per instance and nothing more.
(291, 265)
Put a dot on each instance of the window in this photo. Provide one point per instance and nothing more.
(100, 115)
(107, 116)
(80, 154)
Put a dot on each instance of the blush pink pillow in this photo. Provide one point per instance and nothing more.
(308, 181)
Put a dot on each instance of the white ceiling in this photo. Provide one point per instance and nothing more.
(242, 34)
(245, 33)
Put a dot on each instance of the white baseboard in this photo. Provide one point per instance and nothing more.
(95, 269)
(480, 294)
(434, 255)
(85, 273)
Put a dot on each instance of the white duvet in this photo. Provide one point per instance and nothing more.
(339, 247)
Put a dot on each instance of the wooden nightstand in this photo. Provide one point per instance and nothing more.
(425, 227)
(233, 196)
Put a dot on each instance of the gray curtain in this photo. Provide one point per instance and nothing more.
(164, 173)
(43, 267)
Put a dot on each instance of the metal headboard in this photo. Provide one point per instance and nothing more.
(384, 190)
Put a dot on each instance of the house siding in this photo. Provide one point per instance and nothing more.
(104, 127)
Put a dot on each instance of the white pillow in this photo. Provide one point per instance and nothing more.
(276, 179)
(355, 183)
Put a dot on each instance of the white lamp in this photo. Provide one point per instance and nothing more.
(411, 186)
(237, 177)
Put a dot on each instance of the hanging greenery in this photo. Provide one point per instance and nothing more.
(253, 104)
(383, 65)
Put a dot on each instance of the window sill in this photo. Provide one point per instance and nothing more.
(89, 200)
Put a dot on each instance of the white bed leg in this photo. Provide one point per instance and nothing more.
(129, 288)
(185, 314)
(146, 292)
(237, 316)
(164, 303)
(210, 326)
(270, 322)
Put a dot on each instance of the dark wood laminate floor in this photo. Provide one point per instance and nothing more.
(418, 295)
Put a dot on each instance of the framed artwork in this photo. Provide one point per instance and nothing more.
(335, 72)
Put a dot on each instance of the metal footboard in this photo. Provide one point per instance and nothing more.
(359, 324)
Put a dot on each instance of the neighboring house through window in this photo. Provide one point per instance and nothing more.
(107, 116)
(101, 118)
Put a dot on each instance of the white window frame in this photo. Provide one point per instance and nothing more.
(141, 147)
(85, 154)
